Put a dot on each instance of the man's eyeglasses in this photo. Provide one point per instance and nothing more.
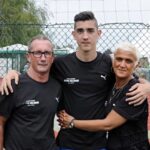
(39, 54)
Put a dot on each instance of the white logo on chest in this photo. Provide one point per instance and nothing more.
(103, 76)
(71, 80)
(57, 99)
(32, 102)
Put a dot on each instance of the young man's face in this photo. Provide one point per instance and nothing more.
(86, 35)
(41, 56)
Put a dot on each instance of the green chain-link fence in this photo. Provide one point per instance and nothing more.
(13, 40)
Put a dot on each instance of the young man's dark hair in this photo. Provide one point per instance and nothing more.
(84, 16)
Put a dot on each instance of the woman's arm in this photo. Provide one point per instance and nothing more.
(112, 121)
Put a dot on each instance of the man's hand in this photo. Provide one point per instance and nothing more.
(6, 82)
(138, 92)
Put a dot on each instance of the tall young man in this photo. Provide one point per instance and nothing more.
(86, 78)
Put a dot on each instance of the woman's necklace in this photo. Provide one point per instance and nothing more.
(117, 91)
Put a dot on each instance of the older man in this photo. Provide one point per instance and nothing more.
(28, 114)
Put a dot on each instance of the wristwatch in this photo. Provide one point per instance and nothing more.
(71, 124)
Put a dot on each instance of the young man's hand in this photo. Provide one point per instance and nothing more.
(6, 86)
(138, 92)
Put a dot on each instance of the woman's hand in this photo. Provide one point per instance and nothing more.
(64, 119)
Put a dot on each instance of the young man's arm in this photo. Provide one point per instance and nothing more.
(138, 92)
(2, 124)
(137, 96)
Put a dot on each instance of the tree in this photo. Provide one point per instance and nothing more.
(19, 21)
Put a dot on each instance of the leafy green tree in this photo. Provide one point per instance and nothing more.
(19, 21)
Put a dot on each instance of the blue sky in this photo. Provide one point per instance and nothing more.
(106, 11)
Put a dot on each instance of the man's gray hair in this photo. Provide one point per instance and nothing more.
(38, 37)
